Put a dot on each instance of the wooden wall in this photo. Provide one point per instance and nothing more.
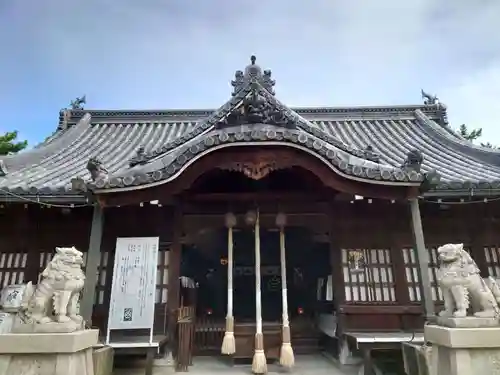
(391, 299)
(388, 299)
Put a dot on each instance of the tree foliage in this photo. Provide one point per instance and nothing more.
(10, 145)
(489, 145)
(474, 134)
(470, 135)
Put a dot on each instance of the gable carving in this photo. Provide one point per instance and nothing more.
(256, 109)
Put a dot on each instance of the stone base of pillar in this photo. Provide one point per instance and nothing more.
(48, 353)
(463, 351)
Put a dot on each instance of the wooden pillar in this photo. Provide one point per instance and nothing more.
(422, 259)
(397, 240)
(336, 268)
(93, 258)
(174, 265)
(478, 224)
(30, 245)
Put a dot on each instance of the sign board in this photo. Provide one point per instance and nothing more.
(132, 300)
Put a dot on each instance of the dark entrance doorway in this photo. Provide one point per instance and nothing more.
(206, 263)
(204, 257)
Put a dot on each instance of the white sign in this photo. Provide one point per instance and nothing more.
(132, 301)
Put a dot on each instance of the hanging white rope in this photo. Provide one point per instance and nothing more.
(287, 358)
(259, 363)
(228, 343)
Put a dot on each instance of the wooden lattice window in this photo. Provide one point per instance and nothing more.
(45, 258)
(375, 283)
(492, 255)
(162, 274)
(413, 279)
(412, 276)
(12, 268)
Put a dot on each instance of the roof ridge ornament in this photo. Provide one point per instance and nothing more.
(429, 99)
(253, 73)
(78, 103)
(99, 176)
(413, 161)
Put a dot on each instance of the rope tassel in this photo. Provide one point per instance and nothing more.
(259, 362)
(287, 358)
(228, 343)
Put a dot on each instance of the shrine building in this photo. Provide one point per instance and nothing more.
(316, 223)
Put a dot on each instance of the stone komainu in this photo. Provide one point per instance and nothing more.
(462, 286)
(56, 297)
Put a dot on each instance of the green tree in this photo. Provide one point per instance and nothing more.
(489, 145)
(9, 143)
(470, 135)
(474, 134)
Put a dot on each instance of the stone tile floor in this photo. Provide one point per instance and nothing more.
(305, 365)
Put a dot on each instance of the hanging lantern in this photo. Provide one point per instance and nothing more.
(356, 261)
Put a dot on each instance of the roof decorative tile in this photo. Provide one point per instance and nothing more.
(252, 73)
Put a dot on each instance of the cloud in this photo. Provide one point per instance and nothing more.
(473, 100)
(183, 53)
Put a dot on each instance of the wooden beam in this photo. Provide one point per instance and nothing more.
(93, 258)
(423, 260)
(371, 308)
(260, 197)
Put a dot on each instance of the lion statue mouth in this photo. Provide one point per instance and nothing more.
(447, 260)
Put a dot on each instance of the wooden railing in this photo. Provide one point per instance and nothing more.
(209, 333)
(185, 336)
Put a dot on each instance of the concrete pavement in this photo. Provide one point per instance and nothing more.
(305, 365)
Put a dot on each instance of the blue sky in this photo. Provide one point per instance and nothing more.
(166, 54)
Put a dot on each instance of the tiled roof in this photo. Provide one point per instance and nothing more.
(171, 139)
(391, 133)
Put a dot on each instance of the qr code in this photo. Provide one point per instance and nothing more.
(127, 314)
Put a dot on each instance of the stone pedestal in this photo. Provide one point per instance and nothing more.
(464, 351)
(48, 353)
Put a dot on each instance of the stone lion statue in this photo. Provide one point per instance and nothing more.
(55, 300)
(462, 286)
